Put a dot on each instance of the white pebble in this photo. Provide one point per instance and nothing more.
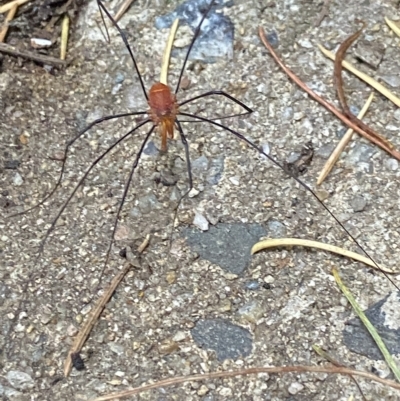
(193, 192)
(295, 387)
(17, 179)
(234, 180)
(200, 222)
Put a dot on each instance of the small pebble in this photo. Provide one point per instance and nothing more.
(252, 285)
(200, 222)
(358, 204)
(251, 312)
(392, 164)
(193, 192)
(295, 388)
(276, 229)
(171, 277)
(305, 43)
(17, 179)
(392, 80)
(179, 336)
(269, 279)
(273, 39)
(20, 380)
(116, 348)
(234, 180)
(11, 164)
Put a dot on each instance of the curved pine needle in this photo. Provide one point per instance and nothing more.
(392, 25)
(249, 371)
(366, 78)
(368, 325)
(272, 243)
(342, 144)
(167, 53)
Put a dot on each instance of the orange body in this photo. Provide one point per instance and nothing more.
(163, 111)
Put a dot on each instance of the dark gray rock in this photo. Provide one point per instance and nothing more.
(227, 245)
(228, 340)
(384, 317)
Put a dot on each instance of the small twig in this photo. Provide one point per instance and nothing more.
(64, 36)
(11, 5)
(101, 303)
(326, 356)
(167, 53)
(94, 316)
(10, 16)
(368, 325)
(249, 371)
(341, 145)
(272, 243)
(39, 58)
(393, 26)
(144, 244)
(323, 13)
(366, 78)
(393, 152)
(124, 6)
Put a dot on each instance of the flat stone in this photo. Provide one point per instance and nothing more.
(228, 340)
(227, 245)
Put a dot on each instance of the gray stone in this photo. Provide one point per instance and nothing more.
(385, 318)
(227, 245)
(392, 80)
(358, 203)
(228, 340)
(17, 179)
(276, 229)
(20, 380)
(361, 153)
(370, 52)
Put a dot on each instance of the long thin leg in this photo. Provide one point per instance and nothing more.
(69, 144)
(305, 186)
(189, 169)
(61, 211)
(195, 36)
(127, 185)
(221, 93)
(125, 40)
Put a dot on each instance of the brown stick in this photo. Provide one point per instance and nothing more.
(10, 16)
(338, 79)
(39, 58)
(374, 139)
(250, 371)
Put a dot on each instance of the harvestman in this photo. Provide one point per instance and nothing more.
(163, 113)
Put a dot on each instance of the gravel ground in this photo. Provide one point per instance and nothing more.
(284, 302)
